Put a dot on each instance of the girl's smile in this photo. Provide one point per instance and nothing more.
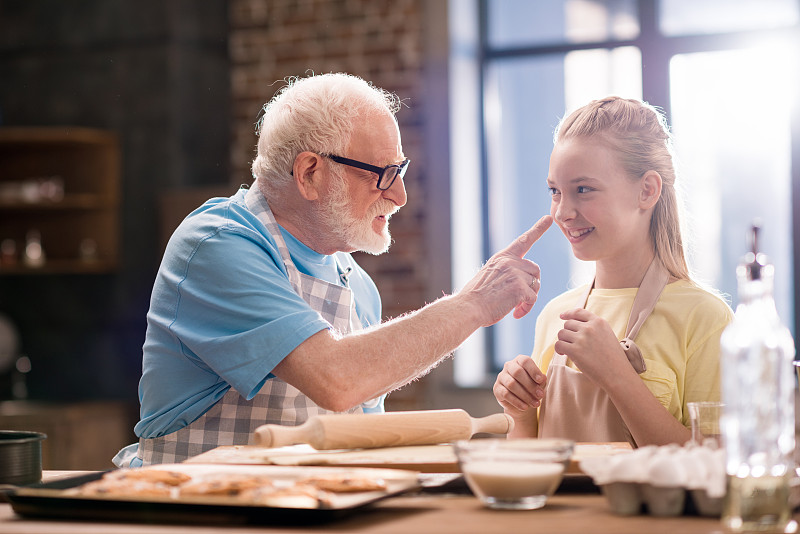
(598, 206)
(575, 235)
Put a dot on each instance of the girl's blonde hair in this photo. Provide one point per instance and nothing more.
(639, 135)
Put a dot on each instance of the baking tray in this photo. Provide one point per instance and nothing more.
(49, 500)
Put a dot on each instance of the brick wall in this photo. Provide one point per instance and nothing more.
(381, 41)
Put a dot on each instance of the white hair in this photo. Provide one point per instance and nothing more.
(314, 114)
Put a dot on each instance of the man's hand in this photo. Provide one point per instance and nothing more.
(508, 281)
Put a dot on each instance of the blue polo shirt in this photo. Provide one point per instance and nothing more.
(223, 312)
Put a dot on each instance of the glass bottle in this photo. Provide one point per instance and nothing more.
(33, 255)
(758, 392)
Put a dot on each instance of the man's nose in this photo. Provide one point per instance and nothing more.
(397, 192)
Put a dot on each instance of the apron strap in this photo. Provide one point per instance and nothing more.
(653, 283)
(257, 204)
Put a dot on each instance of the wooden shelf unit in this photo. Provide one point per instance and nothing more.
(87, 162)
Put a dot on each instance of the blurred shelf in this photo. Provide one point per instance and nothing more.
(86, 201)
(61, 182)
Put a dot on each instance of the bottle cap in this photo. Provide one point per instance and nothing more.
(754, 261)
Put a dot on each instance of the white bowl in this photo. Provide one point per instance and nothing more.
(518, 474)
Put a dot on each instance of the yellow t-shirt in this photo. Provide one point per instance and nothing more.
(679, 341)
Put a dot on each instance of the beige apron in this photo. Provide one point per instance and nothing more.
(576, 408)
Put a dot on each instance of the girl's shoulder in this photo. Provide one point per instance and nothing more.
(694, 290)
(694, 299)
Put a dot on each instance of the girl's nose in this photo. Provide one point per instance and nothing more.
(562, 211)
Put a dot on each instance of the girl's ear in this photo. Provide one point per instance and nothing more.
(651, 190)
(307, 174)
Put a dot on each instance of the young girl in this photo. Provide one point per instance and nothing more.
(625, 354)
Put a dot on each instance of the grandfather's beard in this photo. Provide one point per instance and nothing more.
(336, 215)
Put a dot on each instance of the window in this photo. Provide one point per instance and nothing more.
(724, 72)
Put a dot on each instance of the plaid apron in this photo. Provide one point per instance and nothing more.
(232, 420)
(569, 392)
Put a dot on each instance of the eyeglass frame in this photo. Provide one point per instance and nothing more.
(380, 171)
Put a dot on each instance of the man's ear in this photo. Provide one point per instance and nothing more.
(307, 174)
(651, 190)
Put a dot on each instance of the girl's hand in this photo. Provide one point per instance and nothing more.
(519, 386)
(589, 341)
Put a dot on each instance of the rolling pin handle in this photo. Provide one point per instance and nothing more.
(263, 436)
(281, 435)
(499, 423)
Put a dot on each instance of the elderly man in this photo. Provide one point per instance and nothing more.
(260, 315)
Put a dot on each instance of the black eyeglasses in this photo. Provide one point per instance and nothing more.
(386, 175)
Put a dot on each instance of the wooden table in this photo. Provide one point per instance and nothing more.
(419, 514)
(569, 511)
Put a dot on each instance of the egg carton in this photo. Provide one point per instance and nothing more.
(633, 498)
(662, 481)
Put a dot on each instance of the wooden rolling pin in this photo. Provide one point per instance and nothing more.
(354, 431)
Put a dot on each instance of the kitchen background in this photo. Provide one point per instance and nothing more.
(180, 84)
(170, 92)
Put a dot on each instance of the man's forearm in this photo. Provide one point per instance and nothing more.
(338, 373)
(341, 372)
(423, 338)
